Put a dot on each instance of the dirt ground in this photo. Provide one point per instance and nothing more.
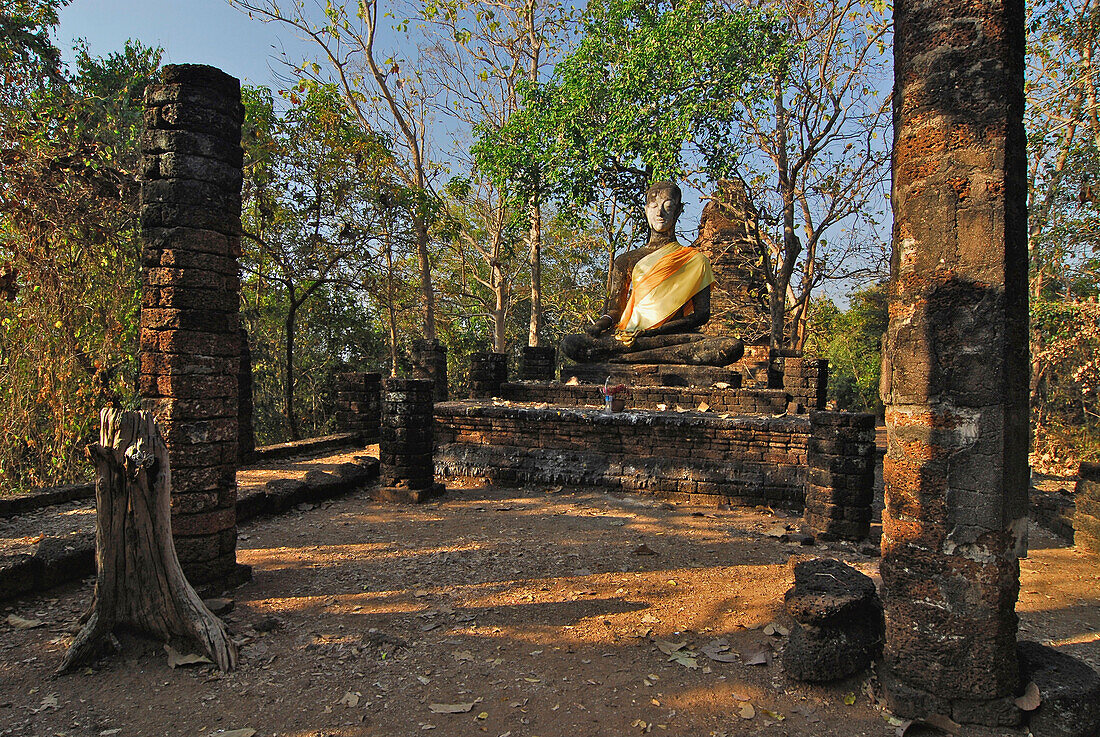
(528, 612)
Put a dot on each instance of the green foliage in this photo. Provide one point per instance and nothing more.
(69, 248)
(852, 341)
(313, 185)
(648, 94)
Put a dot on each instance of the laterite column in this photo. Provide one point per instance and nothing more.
(955, 368)
(190, 330)
(408, 442)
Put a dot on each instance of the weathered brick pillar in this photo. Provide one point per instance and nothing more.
(487, 372)
(841, 486)
(407, 444)
(190, 331)
(246, 435)
(359, 404)
(955, 368)
(1086, 514)
(429, 359)
(807, 381)
(537, 363)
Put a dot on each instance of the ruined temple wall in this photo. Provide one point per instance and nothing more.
(690, 456)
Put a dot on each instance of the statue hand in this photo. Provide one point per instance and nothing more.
(599, 327)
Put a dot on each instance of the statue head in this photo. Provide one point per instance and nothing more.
(663, 205)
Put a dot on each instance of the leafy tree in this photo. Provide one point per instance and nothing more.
(816, 155)
(377, 93)
(649, 93)
(1062, 119)
(852, 341)
(311, 211)
(484, 51)
(69, 247)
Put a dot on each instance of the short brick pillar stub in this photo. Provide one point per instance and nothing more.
(1086, 514)
(359, 404)
(488, 371)
(429, 360)
(841, 478)
(190, 328)
(806, 380)
(407, 444)
(537, 362)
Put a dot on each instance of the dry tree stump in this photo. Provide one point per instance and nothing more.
(139, 582)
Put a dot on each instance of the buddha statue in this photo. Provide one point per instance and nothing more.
(659, 296)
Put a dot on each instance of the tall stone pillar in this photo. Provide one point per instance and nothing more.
(955, 369)
(190, 328)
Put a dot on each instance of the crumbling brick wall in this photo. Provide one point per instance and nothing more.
(719, 401)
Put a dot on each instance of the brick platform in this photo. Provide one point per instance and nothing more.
(684, 455)
(719, 401)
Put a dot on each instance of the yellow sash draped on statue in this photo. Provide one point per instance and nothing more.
(661, 284)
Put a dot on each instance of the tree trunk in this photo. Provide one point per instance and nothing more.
(139, 582)
(288, 394)
(392, 311)
(534, 238)
(426, 295)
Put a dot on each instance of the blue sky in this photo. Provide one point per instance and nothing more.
(189, 31)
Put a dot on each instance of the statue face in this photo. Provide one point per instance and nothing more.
(662, 207)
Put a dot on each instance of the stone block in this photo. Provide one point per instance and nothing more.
(204, 523)
(1069, 689)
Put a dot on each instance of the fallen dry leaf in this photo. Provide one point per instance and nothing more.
(20, 623)
(351, 699)
(668, 648)
(747, 711)
(451, 708)
(1030, 699)
(719, 651)
(176, 658)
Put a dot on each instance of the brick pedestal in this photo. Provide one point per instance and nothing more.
(1086, 515)
(537, 363)
(955, 365)
(190, 332)
(807, 381)
(841, 481)
(407, 443)
(487, 372)
(429, 359)
(359, 404)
